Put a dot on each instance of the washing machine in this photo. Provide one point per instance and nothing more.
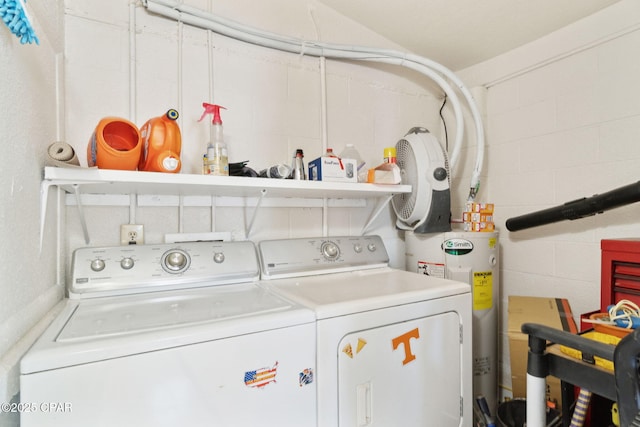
(168, 335)
(393, 348)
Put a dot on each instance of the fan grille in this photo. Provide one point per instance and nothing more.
(404, 203)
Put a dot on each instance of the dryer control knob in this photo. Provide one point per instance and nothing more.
(330, 250)
(357, 248)
(372, 247)
(97, 264)
(218, 257)
(127, 263)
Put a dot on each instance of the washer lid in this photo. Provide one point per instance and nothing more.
(124, 316)
(104, 328)
(339, 294)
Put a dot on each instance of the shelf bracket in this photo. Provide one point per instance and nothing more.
(44, 201)
(382, 203)
(263, 193)
(83, 220)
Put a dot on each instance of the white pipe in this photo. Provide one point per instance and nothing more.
(60, 211)
(213, 213)
(132, 62)
(251, 35)
(325, 136)
(323, 103)
(180, 68)
(180, 94)
(536, 401)
(181, 215)
(133, 202)
(427, 67)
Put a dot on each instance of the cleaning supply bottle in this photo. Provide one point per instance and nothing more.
(350, 152)
(161, 144)
(217, 157)
(388, 172)
(298, 166)
(390, 155)
(115, 144)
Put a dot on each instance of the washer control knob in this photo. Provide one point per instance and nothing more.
(372, 247)
(175, 261)
(127, 263)
(218, 257)
(330, 250)
(98, 264)
(357, 248)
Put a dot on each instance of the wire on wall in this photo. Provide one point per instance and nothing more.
(444, 124)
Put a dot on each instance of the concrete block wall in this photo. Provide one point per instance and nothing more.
(563, 122)
(85, 69)
(273, 100)
(562, 118)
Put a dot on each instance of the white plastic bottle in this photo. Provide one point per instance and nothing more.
(350, 152)
(217, 156)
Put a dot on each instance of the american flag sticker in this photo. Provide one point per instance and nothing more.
(261, 377)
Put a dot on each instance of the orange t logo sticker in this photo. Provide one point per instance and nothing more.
(405, 339)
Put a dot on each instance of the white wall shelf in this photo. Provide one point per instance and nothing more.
(104, 184)
(104, 181)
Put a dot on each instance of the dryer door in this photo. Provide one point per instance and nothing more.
(403, 374)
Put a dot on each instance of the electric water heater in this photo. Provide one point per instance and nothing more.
(470, 257)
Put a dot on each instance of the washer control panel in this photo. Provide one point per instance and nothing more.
(141, 268)
(301, 257)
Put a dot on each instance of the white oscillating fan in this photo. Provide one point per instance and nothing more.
(424, 165)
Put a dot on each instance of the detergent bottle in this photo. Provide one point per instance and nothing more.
(115, 144)
(161, 144)
(217, 157)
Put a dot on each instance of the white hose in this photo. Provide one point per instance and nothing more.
(431, 69)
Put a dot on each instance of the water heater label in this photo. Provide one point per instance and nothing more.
(457, 246)
(433, 269)
(482, 290)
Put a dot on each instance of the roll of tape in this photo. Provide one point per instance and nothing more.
(62, 154)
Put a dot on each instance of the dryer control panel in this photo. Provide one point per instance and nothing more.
(142, 268)
(309, 256)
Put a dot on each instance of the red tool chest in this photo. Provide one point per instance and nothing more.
(620, 271)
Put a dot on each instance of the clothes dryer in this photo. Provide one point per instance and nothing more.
(171, 335)
(393, 348)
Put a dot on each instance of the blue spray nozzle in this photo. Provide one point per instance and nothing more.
(214, 110)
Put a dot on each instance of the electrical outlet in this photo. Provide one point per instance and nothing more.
(131, 234)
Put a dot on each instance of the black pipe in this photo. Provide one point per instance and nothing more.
(577, 209)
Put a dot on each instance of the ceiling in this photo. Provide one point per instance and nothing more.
(461, 33)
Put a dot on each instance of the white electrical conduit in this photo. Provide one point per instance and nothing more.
(325, 136)
(132, 62)
(431, 69)
(254, 36)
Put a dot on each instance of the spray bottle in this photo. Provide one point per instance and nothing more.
(216, 158)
